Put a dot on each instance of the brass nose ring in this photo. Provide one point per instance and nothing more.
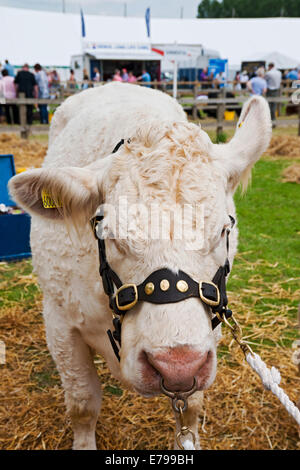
(178, 396)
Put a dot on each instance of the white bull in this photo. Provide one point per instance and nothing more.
(167, 161)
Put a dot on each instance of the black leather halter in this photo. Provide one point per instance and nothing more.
(160, 287)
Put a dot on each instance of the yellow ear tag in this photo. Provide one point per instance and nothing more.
(241, 123)
(48, 202)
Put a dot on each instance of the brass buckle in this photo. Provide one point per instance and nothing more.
(212, 303)
(132, 304)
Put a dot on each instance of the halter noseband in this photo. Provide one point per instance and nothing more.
(160, 287)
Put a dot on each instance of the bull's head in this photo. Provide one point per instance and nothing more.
(168, 165)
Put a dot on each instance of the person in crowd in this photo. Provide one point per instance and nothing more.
(72, 76)
(8, 91)
(244, 79)
(252, 73)
(145, 77)
(49, 77)
(72, 80)
(53, 78)
(9, 68)
(131, 78)
(43, 92)
(273, 78)
(220, 80)
(26, 83)
(96, 77)
(1, 107)
(292, 74)
(117, 76)
(258, 85)
(205, 77)
(237, 81)
(237, 77)
(124, 75)
(86, 80)
(54, 83)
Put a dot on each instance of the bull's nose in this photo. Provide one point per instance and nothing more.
(178, 367)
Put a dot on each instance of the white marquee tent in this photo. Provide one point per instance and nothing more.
(282, 61)
(52, 38)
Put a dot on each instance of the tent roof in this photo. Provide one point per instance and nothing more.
(37, 36)
(282, 61)
(51, 38)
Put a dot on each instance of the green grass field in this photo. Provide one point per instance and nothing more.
(266, 272)
(269, 223)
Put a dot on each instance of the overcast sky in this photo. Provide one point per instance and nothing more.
(159, 8)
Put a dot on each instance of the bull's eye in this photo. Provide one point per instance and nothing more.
(223, 231)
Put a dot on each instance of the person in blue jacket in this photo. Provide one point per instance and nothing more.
(145, 77)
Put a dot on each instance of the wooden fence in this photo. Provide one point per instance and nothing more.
(195, 98)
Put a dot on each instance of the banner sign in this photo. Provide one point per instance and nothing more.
(216, 66)
(116, 46)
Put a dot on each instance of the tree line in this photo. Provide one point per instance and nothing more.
(248, 8)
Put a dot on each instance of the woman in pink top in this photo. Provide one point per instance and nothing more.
(131, 78)
(117, 76)
(8, 91)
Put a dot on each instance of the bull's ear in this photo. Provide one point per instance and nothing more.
(251, 139)
(55, 193)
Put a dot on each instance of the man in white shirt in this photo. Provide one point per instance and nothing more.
(273, 78)
(244, 78)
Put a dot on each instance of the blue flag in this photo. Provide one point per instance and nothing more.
(147, 18)
(82, 24)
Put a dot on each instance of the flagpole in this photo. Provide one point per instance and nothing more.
(148, 27)
(82, 30)
(82, 36)
(82, 45)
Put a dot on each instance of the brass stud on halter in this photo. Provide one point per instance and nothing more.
(164, 285)
(149, 288)
(182, 286)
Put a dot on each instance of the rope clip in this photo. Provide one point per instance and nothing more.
(236, 332)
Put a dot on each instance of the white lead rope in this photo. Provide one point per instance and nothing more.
(271, 379)
(188, 445)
